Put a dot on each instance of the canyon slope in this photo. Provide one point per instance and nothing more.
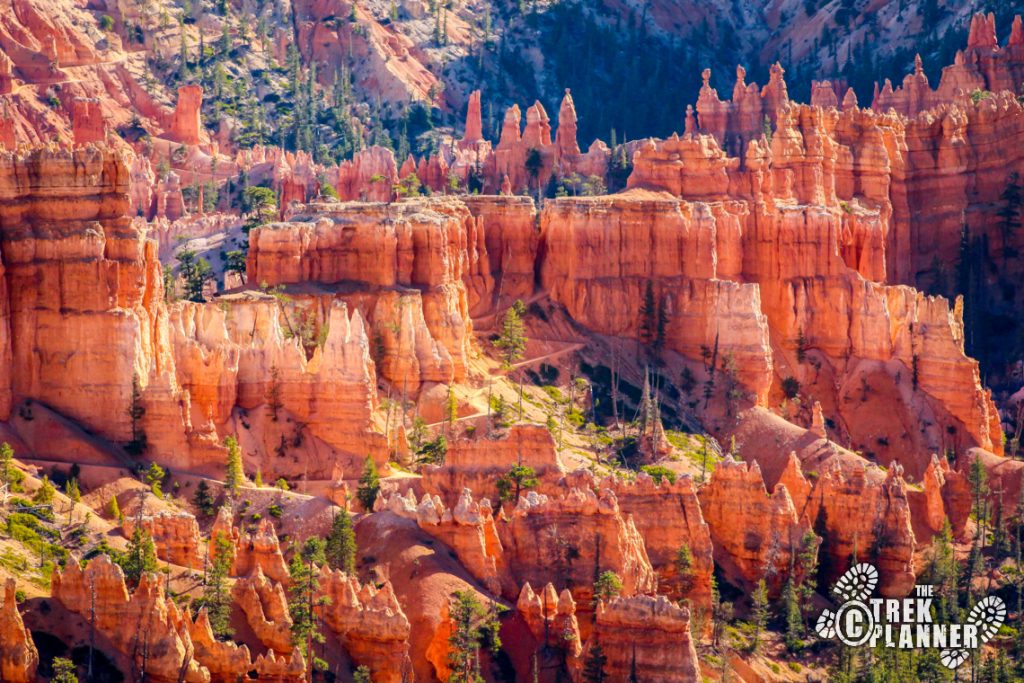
(573, 398)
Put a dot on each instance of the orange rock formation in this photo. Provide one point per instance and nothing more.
(18, 655)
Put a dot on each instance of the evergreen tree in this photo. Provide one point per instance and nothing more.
(943, 573)
(64, 671)
(136, 411)
(648, 316)
(362, 675)
(369, 484)
(216, 595)
(304, 599)
(114, 510)
(977, 476)
(512, 337)
(807, 559)
(607, 586)
(45, 493)
(203, 499)
(233, 476)
(684, 569)
(473, 627)
(74, 494)
(1010, 212)
(520, 477)
(593, 666)
(341, 544)
(140, 557)
(154, 477)
(196, 271)
(6, 463)
(759, 613)
(792, 616)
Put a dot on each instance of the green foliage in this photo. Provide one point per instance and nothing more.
(511, 341)
(684, 568)
(154, 478)
(607, 586)
(45, 493)
(759, 613)
(64, 670)
(233, 475)
(341, 543)
(369, 484)
(216, 594)
(978, 95)
(594, 665)
(303, 594)
(361, 675)
(9, 474)
(204, 500)
(500, 414)
(794, 623)
(434, 451)
(520, 477)
(136, 411)
(196, 272)
(235, 262)
(107, 23)
(474, 626)
(282, 483)
(114, 510)
(659, 472)
(409, 186)
(140, 557)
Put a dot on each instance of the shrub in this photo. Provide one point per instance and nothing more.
(659, 472)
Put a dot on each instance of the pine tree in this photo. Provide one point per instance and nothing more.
(274, 393)
(140, 557)
(216, 595)
(341, 544)
(6, 463)
(304, 599)
(473, 627)
(64, 671)
(203, 499)
(451, 413)
(607, 586)
(977, 476)
(520, 477)
(593, 666)
(362, 675)
(136, 411)
(1010, 212)
(233, 476)
(759, 613)
(369, 485)
(793, 617)
(154, 477)
(45, 493)
(74, 494)
(648, 315)
(684, 568)
(114, 510)
(512, 338)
